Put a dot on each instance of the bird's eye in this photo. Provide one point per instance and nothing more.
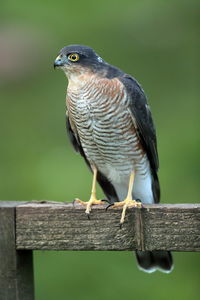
(73, 57)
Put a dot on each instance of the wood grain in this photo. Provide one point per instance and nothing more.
(64, 226)
(16, 267)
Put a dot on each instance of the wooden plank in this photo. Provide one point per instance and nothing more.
(16, 268)
(64, 226)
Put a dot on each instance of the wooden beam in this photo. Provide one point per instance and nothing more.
(64, 226)
(16, 267)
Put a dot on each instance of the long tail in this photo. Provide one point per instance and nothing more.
(150, 261)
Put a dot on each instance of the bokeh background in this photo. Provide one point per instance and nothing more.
(155, 41)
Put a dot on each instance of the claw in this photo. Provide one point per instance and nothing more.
(138, 200)
(107, 207)
(105, 200)
(88, 215)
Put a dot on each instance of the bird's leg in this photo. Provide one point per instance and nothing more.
(93, 199)
(128, 201)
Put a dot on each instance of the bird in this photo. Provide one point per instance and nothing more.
(110, 124)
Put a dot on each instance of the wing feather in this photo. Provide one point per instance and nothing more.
(141, 115)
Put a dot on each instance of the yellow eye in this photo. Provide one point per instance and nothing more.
(73, 57)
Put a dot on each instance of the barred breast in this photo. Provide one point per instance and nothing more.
(99, 114)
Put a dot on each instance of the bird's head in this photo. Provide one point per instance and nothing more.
(76, 59)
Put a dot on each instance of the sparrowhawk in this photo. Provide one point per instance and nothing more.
(110, 124)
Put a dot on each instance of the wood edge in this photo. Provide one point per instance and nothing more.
(72, 205)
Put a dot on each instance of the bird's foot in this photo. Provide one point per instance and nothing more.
(93, 201)
(127, 203)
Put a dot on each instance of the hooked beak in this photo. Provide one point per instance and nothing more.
(59, 61)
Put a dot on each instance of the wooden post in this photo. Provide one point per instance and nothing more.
(16, 266)
(44, 225)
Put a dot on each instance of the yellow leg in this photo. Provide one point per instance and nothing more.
(128, 202)
(93, 199)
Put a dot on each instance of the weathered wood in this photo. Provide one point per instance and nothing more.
(64, 226)
(16, 268)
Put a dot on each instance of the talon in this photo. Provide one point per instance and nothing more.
(88, 215)
(138, 200)
(93, 200)
(128, 202)
(107, 207)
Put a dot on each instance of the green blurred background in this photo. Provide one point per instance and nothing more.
(155, 41)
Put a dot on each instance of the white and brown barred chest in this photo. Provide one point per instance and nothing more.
(99, 114)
